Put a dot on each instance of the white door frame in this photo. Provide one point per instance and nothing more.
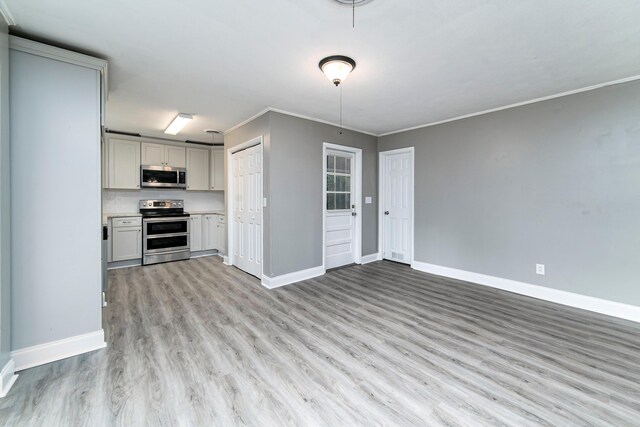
(381, 191)
(357, 240)
(230, 198)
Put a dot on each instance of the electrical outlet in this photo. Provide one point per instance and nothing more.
(540, 269)
(368, 200)
(264, 202)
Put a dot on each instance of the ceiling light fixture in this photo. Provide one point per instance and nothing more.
(337, 68)
(213, 134)
(178, 123)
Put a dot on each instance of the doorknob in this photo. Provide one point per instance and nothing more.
(386, 212)
(353, 214)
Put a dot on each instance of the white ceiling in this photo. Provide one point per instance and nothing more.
(418, 61)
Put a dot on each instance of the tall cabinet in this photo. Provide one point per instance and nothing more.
(55, 118)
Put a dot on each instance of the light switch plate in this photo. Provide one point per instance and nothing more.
(540, 269)
(264, 202)
(368, 200)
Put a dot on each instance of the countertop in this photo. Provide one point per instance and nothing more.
(125, 214)
(207, 212)
(121, 215)
(107, 216)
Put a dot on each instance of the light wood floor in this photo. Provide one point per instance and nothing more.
(198, 343)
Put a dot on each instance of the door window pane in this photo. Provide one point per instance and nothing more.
(331, 182)
(342, 183)
(331, 204)
(330, 163)
(342, 164)
(343, 201)
(338, 183)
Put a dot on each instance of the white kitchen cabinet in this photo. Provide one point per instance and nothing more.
(210, 232)
(222, 234)
(197, 169)
(163, 155)
(216, 175)
(175, 156)
(123, 163)
(152, 154)
(196, 233)
(126, 239)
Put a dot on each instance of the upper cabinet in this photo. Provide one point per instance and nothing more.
(216, 175)
(163, 155)
(197, 169)
(123, 163)
(123, 155)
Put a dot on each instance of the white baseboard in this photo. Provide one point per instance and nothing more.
(370, 258)
(296, 276)
(57, 350)
(7, 377)
(598, 305)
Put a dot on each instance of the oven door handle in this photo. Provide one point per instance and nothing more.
(168, 219)
(159, 236)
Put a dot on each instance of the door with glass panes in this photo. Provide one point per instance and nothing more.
(340, 209)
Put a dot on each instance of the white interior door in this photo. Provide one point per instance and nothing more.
(340, 212)
(247, 210)
(397, 206)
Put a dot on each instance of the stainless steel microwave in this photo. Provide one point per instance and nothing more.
(162, 177)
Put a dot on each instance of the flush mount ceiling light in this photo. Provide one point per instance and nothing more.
(337, 68)
(213, 134)
(178, 123)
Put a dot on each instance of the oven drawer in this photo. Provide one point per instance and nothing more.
(132, 221)
(164, 243)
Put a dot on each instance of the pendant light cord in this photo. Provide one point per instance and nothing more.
(353, 8)
(340, 110)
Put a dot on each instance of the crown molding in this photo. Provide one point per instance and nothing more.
(518, 104)
(300, 116)
(452, 119)
(6, 14)
(52, 52)
(244, 122)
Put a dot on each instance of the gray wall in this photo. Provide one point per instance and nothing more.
(5, 208)
(55, 200)
(293, 187)
(295, 231)
(556, 182)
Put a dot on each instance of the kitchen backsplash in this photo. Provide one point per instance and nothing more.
(121, 201)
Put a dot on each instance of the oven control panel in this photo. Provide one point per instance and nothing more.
(161, 204)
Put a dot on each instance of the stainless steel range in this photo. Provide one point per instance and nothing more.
(165, 231)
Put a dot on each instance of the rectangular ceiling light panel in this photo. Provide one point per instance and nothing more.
(178, 123)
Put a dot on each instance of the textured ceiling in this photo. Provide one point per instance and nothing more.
(419, 61)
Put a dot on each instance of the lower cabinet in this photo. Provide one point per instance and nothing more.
(222, 234)
(208, 233)
(126, 239)
(196, 233)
